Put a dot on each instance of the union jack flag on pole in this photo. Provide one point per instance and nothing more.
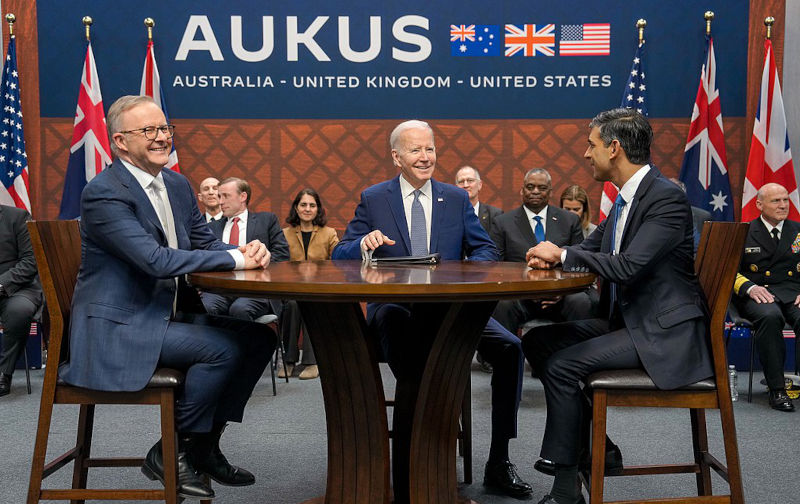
(704, 170)
(13, 158)
(770, 156)
(633, 96)
(151, 86)
(89, 151)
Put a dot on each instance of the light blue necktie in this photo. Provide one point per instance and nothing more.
(538, 230)
(419, 230)
(619, 204)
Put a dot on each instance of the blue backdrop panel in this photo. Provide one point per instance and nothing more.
(357, 59)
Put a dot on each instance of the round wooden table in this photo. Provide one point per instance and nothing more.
(328, 293)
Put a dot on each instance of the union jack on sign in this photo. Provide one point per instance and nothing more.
(462, 33)
(527, 40)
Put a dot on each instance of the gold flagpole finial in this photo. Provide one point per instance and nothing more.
(640, 24)
(149, 23)
(11, 19)
(87, 22)
(768, 22)
(708, 16)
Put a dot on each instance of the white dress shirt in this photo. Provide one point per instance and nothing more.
(531, 214)
(226, 231)
(215, 217)
(425, 197)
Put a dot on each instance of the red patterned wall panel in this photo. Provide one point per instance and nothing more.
(341, 158)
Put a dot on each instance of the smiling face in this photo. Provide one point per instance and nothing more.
(148, 155)
(208, 194)
(467, 179)
(307, 209)
(415, 155)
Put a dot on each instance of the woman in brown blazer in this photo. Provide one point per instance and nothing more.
(309, 240)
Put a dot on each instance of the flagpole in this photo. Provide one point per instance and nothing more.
(149, 23)
(768, 22)
(87, 22)
(11, 19)
(640, 24)
(709, 16)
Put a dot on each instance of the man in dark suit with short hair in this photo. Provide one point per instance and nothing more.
(20, 292)
(654, 314)
(242, 226)
(517, 231)
(469, 179)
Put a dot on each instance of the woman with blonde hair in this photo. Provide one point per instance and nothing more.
(574, 199)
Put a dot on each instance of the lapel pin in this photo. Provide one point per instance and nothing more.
(439, 199)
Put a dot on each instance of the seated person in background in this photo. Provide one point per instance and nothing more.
(469, 179)
(395, 218)
(515, 232)
(141, 232)
(209, 197)
(309, 240)
(20, 291)
(574, 199)
(654, 315)
(239, 227)
(767, 288)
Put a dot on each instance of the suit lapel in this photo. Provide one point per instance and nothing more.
(142, 201)
(552, 227)
(762, 236)
(521, 218)
(179, 209)
(438, 209)
(399, 213)
(253, 220)
(632, 221)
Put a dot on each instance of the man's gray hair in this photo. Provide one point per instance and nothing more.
(114, 116)
(474, 170)
(404, 126)
(536, 171)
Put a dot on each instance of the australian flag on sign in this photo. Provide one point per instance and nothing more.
(475, 40)
(704, 169)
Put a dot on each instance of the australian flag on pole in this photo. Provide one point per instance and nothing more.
(89, 152)
(151, 86)
(704, 169)
(13, 158)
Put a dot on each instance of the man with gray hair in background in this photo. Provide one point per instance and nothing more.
(469, 179)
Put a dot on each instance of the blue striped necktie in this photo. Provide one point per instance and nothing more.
(619, 204)
(538, 230)
(419, 230)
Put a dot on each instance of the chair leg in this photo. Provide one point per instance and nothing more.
(27, 369)
(752, 366)
(731, 450)
(40, 446)
(599, 410)
(283, 359)
(169, 445)
(83, 445)
(466, 432)
(700, 445)
(272, 373)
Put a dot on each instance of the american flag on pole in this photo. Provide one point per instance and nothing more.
(591, 39)
(89, 151)
(633, 96)
(704, 170)
(13, 158)
(527, 40)
(770, 156)
(151, 86)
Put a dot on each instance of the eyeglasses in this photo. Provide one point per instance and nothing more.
(151, 132)
(468, 181)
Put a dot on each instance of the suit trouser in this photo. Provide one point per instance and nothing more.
(563, 355)
(291, 323)
(223, 359)
(768, 321)
(406, 334)
(16, 315)
(512, 314)
(239, 307)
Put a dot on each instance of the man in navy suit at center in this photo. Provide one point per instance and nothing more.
(412, 214)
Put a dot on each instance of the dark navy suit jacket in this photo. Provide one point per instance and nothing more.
(125, 289)
(513, 235)
(260, 226)
(659, 297)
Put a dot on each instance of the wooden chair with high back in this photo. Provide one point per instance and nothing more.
(716, 264)
(57, 247)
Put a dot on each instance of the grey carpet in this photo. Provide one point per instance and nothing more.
(283, 442)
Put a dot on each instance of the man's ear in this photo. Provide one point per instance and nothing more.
(119, 141)
(615, 148)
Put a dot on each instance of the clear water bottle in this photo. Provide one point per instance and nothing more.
(732, 381)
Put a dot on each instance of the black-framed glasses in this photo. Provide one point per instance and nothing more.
(151, 132)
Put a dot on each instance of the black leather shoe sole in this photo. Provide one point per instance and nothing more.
(154, 475)
(228, 482)
(613, 465)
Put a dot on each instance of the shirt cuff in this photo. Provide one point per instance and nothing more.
(238, 257)
(563, 256)
(747, 292)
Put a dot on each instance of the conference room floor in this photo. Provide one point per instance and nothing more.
(283, 442)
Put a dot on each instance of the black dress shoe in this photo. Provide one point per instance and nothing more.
(208, 459)
(613, 463)
(502, 476)
(5, 384)
(547, 499)
(190, 484)
(779, 400)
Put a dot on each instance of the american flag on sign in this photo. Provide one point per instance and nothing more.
(89, 151)
(13, 158)
(592, 39)
(527, 40)
(151, 86)
(462, 33)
